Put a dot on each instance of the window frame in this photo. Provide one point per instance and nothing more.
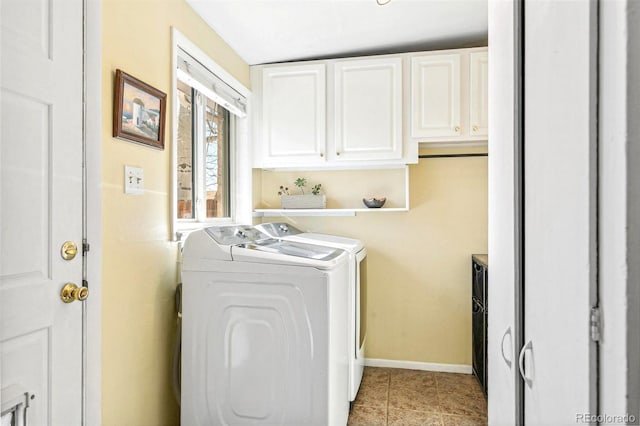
(240, 210)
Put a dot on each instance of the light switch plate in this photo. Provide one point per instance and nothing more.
(133, 180)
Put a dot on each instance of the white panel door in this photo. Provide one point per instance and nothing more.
(294, 115)
(478, 94)
(41, 208)
(435, 96)
(368, 110)
(560, 210)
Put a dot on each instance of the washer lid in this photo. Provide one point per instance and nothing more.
(344, 243)
(289, 253)
(290, 248)
(230, 235)
(291, 233)
(278, 229)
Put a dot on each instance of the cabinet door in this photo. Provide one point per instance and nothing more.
(478, 94)
(435, 96)
(504, 217)
(368, 110)
(293, 114)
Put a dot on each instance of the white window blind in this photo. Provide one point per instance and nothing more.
(196, 75)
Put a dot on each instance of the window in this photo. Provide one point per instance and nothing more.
(203, 156)
(210, 184)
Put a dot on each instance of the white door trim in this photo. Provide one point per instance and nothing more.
(619, 206)
(92, 392)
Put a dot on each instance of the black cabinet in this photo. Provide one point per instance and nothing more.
(479, 312)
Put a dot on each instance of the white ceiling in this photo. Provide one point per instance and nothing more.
(265, 31)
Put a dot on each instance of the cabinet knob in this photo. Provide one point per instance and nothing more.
(457, 128)
(321, 154)
(475, 128)
(337, 153)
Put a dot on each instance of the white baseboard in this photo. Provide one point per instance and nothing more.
(413, 365)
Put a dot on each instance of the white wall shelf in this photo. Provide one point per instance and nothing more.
(302, 212)
(323, 212)
(393, 183)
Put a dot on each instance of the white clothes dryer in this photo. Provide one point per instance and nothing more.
(264, 340)
(357, 289)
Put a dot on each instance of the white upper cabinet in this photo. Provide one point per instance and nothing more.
(478, 94)
(331, 114)
(367, 110)
(435, 96)
(449, 96)
(293, 108)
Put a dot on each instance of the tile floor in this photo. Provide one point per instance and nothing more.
(409, 397)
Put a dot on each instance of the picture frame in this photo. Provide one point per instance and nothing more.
(139, 111)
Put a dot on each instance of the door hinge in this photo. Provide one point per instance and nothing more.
(85, 246)
(595, 323)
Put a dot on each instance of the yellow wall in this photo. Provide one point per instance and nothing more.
(419, 263)
(419, 286)
(139, 263)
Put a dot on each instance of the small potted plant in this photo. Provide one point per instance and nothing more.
(315, 200)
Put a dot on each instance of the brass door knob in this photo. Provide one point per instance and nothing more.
(71, 292)
(69, 250)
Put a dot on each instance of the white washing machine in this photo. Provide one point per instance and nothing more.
(357, 289)
(264, 340)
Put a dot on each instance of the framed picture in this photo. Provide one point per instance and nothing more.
(139, 111)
